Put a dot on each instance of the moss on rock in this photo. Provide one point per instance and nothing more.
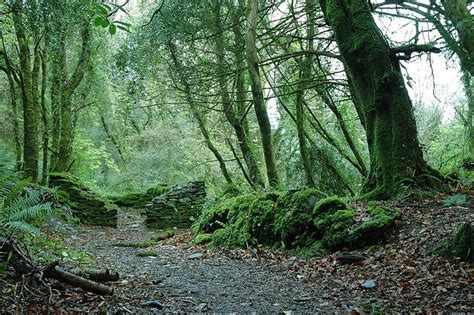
(294, 223)
(203, 238)
(302, 220)
(139, 199)
(88, 206)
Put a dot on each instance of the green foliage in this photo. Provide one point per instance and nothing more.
(21, 208)
(139, 199)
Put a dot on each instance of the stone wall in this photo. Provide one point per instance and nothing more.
(176, 208)
(85, 204)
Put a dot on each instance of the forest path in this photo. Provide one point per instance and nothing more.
(406, 277)
(183, 278)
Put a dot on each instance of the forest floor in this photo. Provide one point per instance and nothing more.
(186, 278)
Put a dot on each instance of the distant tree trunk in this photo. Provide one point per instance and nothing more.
(196, 114)
(58, 79)
(30, 129)
(44, 109)
(257, 93)
(469, 117)
(227, 104)
(64, 160)
(386, 107)
(305, 65)
(112, 138)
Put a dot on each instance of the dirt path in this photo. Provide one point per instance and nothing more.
(209, 283)
(183, 278)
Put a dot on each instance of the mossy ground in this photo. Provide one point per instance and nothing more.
(305, 220)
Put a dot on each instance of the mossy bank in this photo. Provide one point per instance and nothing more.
(306, 220)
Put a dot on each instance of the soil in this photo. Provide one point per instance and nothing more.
(183, 278)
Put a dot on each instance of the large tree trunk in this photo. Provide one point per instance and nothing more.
(257, 93)
(44, 109)
(387, 112)
(30, 129)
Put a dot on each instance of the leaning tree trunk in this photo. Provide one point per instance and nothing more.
(230, 107)
(257, 93)
(196, 114)
(378, 85)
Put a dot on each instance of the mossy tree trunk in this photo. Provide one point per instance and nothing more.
(64, 158)
(386, 109)
(30, 129)
(14, 114)
(305, 65)
(44, 109)
(257, 94)
(229, 106)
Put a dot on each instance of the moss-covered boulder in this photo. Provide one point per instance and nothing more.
(85, 204)
(294, 218)
(139, 199)
(241, 221)
(303, 220)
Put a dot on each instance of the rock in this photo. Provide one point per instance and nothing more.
(369, 284)
(195, 256)
(349, 258)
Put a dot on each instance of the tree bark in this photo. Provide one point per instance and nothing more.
(387, 111)
(30, 129)
(64, 160)
(257, 94)
(44, 109)
(14, 119)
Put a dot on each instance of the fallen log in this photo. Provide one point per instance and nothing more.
(24, 266)
(98, 275)
(72, 279)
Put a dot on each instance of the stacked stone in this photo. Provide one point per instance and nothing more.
(85, 204)
(178, 207)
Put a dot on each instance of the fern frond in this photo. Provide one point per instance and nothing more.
(32, 213)
(20, 227)
(22, 202)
